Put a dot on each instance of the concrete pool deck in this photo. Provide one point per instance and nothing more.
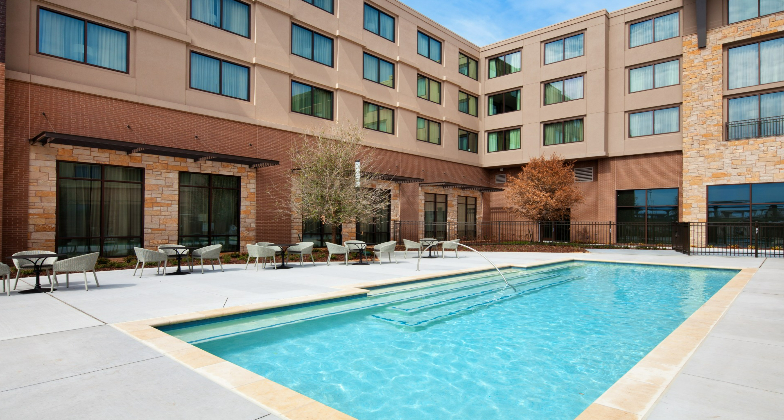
(59, 358)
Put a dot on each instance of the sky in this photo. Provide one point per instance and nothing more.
(484, 22)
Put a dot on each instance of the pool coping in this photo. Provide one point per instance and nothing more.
(632, 397)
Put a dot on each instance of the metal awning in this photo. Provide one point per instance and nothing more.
(480, 188)
(128, 147)
(399, 179)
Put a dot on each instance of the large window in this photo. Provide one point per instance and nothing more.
(467, 103)
(756, 116)
(435, 216)
(379, 118)
(379, 71)
(466, 217)
(562, 132)
(732, 210)
(500, 141)
(503, 65)
(563, 90)
(756, 64)
(429, 131)
(376, 229)
(311, 101)
(654, 76)
(503, 102)
(467, 141)
(428, 89)
(316, 231)
(83, 41)
(739, 10)
(99, 209)
(326, 5)
(428, 47)
(659, 121)
(311, 45)
(654, 30)
(646, 216)
(468, 66)
(564, 49)
(230, 15)
(217, 76)
(210, 210)
(379, 23)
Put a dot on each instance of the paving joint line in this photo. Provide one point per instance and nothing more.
(719, 335)
(47, 333)
(74, 307)
(733, 383)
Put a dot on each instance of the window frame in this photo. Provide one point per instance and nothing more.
(459, 129)
(430, 38)
(506, 140)
(727, 6)
(519, 100)
(758, 42)
(751, 203)
(312, 98)
(503, 56)
(470, 96)
(312, 4)
(563, 49)
(653, 121)
(86, 21)
(653, 30)
(250, 10)
(440, 133)
(378, 114)
(653, 74)
(562, 122)
(644, 223)
(394, 70)
(440, 89)
(220, 75)
(563, 79)
(312, 44)
(209, 187)
(470, 59)
(726, 113)
(380, 12)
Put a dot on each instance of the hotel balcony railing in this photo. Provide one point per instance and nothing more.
(760, 127)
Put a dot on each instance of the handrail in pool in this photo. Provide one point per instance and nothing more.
(472, 249)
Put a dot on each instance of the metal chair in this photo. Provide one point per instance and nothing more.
(144, 256)
(209, 253)
(83, 263)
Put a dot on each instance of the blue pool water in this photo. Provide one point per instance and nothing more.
(465, 347)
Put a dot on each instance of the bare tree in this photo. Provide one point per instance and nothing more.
(545, 190)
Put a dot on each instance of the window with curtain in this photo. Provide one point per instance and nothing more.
(83, 41)
(563, 90)
(467, 141)
(326, 5)
(311, 45)
(504, 64)
(428, 47)
(563, 132)
(503, 102)
(309, 100)
(435, 216)
(466, 217)
(654, 30)
(217, 76)
(646, 216)
(755, 116)
(379, 71)
(467, 104)
(379, 23)
(209, 208)
(429, 131)
(756, 64)
(500, 141)
(654, 76)
(739, 10)
(379, 118)
(659, 121)
(99, 209)
(467, 66)
(230, 15)
(428, 89)
(564, 49)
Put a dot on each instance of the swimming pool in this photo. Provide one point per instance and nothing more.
(466, 347)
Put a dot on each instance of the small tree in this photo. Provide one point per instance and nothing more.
(544, 191)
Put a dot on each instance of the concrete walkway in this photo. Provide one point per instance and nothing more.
(60, 360)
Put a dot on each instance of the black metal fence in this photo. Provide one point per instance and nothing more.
(748, 239)
(760, 127)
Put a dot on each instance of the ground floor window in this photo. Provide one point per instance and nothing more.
(733, 208)
(435, 216)
(646, 216)
(209, 210)
(319, 233)
(99, 209)
(376, 230)
(466, 217)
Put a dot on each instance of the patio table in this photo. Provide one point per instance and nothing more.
(359, 247)
(429, 242)
(179, 250)
(283, 249)
(38, 262)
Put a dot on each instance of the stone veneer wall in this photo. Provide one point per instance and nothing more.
(707, 158)
(161, 191)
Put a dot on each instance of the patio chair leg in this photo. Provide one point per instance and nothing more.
(275, 263)
(85, 280)
(346, 258)
(220, 263)
(136, 268)
(141, 273)
(51, 283)
(165, 262)
(96, 279)
(312, 260)
(246, 264)
(17, 278)
(329, 257)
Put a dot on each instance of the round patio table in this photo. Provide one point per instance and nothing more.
(360, 247)
(429, 243)
(283, 249)
(179, 250)
(37, 260)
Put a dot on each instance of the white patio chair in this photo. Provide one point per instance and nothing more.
(144, 256)
(386, 247)
(449, 246)
(302, 248)
(5, 277)
(412, 245)
(259, 251)
(209, 253)
(269, 245)
(27, 265)
(335, 249)
(83, 263)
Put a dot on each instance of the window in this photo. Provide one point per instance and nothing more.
(428, 47)
(646, 216)
(562, 132)
(435, 216)
(379, 71)
(503, 65)
(217, 76)
(654, 30)
(467, 141)
(739, 10)
(756, 116)
(564, 49)
(311, 100)
(79, 40)
(756, 64)
(311, 45)
(379, 118)
(659, 121)
(375, 229)
(467, 103)
(468, 66)
(428, 89)
(503, 102)
(466, 217)
(99, 209)
(379, 23)
(563, 90)
(326, 5)
(654, 76)
(429, 131)
(209, 210)
(742, 205)
(500, 141)
(230, 15)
